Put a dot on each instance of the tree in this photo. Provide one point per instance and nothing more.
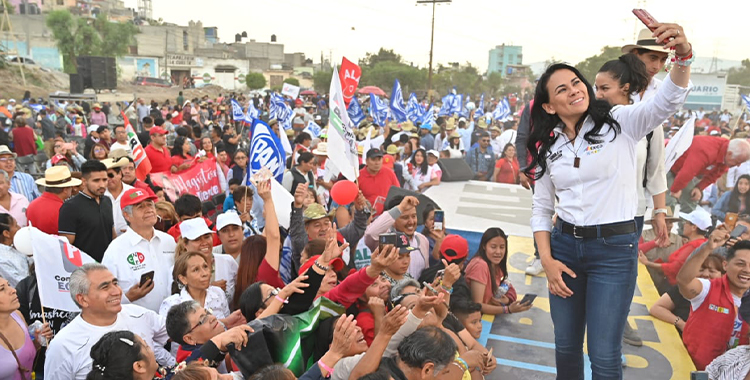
(591, 65)
(7, 5)
(77, 37)
(383, 55)
(740, 75)
(292, 81)
(322, 80)
(255, 81)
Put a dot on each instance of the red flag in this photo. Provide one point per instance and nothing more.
(142, 163)
(349, 75)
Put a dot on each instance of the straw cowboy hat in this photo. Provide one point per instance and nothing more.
(646, 41)
(669, 217)
(58, 176)
(321, 149)
(112, 163)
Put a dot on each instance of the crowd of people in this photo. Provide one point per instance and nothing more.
(176, 293)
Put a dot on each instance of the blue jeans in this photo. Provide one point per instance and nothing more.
(606, 270)
(639, 225)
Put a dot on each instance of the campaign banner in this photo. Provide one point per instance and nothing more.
(266, 150)
(342, 145)
(55, 259)
(349, 76)
(201, 180)
(290, 90)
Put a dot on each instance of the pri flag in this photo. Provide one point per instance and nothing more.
(378, 110)
(55, 259)
(266, 151)
(342, 146)
(349, 75)
(355, 111)
(142, 163)
(397, 103)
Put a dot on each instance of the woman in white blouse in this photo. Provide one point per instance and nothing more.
(192, 278)
(584, 161)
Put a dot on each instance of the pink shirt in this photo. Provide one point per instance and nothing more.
(25, 353)
(18, 206)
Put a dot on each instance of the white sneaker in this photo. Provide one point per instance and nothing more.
(535, 267)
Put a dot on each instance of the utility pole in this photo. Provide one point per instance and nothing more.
(6, 50)
(432, 40)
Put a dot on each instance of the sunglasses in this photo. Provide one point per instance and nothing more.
(274, 293)
(201, 321)
(110, 175)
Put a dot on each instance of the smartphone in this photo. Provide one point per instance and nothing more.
(528, 299)
(488, 357)
(737, 232)
(645, 17)
(440, 273)
(428, 286)
(387, 239)
(730, 220)
(147, 276)
(439, 219)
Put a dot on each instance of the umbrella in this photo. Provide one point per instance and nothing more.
(371, 90)
(308, 92)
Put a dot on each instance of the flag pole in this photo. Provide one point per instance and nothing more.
(41, 302)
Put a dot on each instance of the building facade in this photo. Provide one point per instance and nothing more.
(502, 56)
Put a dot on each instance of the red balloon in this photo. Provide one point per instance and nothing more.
(344, 192)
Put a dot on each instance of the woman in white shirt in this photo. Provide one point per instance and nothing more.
(584, 155)
(421, 172)
(191, 277)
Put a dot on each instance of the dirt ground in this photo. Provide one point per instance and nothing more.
(42, 83)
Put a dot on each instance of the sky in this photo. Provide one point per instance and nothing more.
(465, 30)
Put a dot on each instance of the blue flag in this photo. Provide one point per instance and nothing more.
(428, 117)
(252, 112)
(747, 101)
(355, 111)
(237, 113)
(378, 110)
(445, 109)
(479, 111)
(502, 111)
(265, 151)
(313, 129)
(36, 107)
(281, 111)
(458, 104)
(413, 108)
(397, 103)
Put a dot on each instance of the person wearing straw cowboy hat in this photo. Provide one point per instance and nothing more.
(44, 211)
(21, 183)
(115, 189)
(97, 116)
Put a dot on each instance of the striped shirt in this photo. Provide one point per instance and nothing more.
(733, 364)
(23, 184)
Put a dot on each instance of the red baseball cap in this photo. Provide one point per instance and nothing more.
(336, 263)
(388, 161)
(157, 130)
(135, 196)
(298, 101)
(454, 247)
(57, 158)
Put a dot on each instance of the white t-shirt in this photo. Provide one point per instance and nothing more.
(215, 300)
(129, 256)
(737, 328)
(418, 178)
(117, 145)
(69, 354)
(120, 224)
(362, 255)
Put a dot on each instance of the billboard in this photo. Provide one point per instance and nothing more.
(707, 91)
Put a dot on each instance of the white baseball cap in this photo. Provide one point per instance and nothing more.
(192, 229)
(228, 218)
(92, 128)
(699, 217)
(434, 153)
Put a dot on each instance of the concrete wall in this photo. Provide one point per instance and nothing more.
(221, 72)
(130, 67)
(45, 56)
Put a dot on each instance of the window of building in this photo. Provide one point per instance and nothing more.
(60, 2)
(184, 40)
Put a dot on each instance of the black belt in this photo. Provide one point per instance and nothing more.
(599, 231)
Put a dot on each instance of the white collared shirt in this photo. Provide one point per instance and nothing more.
(601, 190)
(130, 255)
(656, 176)
(215, 300)
(120, 224)
(69, 354)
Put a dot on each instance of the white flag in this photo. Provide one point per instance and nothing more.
(55, 259)
(342, 146)
(679, 143)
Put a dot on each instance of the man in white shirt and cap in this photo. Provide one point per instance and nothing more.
(141, 257)
(97, 292)
(229, 227)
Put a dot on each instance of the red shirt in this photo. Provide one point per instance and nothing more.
(704, 158)
(178, 160)
(374, 186)
(270, 276)
(508, 171)
(23, 141)
(44, 211)
(366, 322)
(677, 259)
(160, 161)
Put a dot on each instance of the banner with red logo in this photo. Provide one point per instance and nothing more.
(201, 180)
(55, 259)
(349, 76)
